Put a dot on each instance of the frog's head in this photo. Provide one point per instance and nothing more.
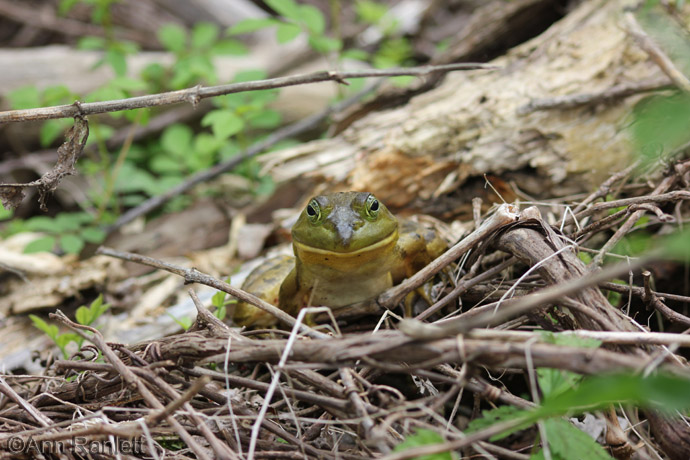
(343, 225)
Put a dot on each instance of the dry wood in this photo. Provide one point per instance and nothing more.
(473, 124)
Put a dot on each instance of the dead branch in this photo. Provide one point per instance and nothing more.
(68, 154)
(197, 93)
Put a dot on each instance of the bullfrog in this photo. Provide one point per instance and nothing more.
(348, 248)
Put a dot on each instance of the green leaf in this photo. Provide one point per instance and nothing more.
(50, 131)
(71, 244)
(66, 221)
(44, 244)
(185, 323)
(312, 17)
(556, 381)
(5, 213)
(63, 340)
(207, 145)
(83, 315)
(166, 164)
(26, 97)
(584, 257)
(286, 8)
(133, 179)
(497, 415)
(265, 119)
(93, 235)
(57, 94)
(173, 37)
(664, 392)
(252, 24)
(402, 81)
(634, 244)
(183, 75)
(117, 61)
(204, 34)
(91, 43)
(139, 116)
(229, 47)
(424, 437)
(370, 12)
(659, 125)
(287, 32)
(677, 246)
(221, 312)
(105, 93)
(51, 330)
(266, 186)
(202, 67)
(358, 55)
(40, 224)
(68, 337)
(218, 299)
(248, 75)
(128, 84)
(325, 44)
(153, 72)
(223, 123)
(177, 139)
(569, 340)
(97, 305)
(568, 442)
(65, 6)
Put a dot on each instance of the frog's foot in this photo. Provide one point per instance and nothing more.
(413, 299)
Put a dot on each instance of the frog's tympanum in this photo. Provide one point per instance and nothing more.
(348, 249)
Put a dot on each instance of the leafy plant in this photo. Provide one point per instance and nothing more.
(5, 213)
(568, 394)
(661, 392)
(194, 53)
(84, 315)
(220, 301)
(424, 437)
(294, 20)
(184, 322)
(394, 50)
(69, 232)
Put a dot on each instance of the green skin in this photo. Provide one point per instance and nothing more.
(348, 249)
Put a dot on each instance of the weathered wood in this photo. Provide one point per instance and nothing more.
(472, 123)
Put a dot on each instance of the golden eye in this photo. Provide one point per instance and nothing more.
(313, 211)
(371, 207)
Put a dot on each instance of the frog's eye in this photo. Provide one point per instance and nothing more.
(313, 211)
(371, 207)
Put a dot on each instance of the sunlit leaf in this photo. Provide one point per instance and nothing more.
(173, 37)
(44, 244)
(204, 34)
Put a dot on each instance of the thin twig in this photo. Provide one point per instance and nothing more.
(504, 215)
(131, 378)
(31, 410)
(656, 53)
(571, 101)
(418, 329)
(653, 301)
(197, 93)
(192, 275)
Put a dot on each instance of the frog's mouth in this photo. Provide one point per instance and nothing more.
(372, 248)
